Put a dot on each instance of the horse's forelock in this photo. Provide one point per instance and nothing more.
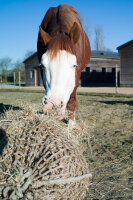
(60, 42)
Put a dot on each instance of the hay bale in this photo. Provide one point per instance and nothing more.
(40, 162)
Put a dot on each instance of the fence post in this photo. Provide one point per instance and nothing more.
(14, 77)
(19, 80)
(116, 79)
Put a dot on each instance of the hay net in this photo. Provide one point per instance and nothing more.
(40, 161)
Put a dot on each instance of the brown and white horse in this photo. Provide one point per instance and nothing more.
(63, 51)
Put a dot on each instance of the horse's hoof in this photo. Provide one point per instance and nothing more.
(71, 124)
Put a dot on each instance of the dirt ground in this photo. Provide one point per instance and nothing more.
(112, 90)
(121, 90)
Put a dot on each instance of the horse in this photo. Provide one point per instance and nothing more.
(63, 51)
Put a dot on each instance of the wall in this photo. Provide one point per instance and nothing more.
(100, 72)
(126, 62)
(30, 66)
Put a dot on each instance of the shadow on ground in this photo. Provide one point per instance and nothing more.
(4, 107)
(130, 103)
(3, 140)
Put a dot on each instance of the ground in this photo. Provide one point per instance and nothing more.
(107, 143)
(119, 90)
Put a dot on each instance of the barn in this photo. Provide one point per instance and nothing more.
(100, 71)
(32, 71)
(126, 63)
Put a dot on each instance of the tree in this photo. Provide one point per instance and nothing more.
(87, 26)
(5, 64)
(99, 38)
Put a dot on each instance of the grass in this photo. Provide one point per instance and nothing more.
(21, 90)
(110, 126)
(108, 143)
(11, 82)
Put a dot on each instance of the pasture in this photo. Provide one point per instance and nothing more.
(107, 143)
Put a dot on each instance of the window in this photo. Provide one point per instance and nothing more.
(113, 70)
(103, 70)
(32, 74)
(87, 69)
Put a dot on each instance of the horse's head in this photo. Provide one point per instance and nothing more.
(59, 62)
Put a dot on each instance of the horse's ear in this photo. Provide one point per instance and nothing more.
(45, 36)
(75, 32)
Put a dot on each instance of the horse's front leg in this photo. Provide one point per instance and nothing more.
(72, 103)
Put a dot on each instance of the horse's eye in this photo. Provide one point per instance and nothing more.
(41, 66)
(75, 66)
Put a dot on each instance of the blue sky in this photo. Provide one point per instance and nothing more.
(20, 19)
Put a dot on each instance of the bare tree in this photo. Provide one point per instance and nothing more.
(5, 64)
(99, 38)
(87, 27)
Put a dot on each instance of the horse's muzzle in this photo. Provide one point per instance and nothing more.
(49, 104)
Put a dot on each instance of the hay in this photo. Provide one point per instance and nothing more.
(39, 161)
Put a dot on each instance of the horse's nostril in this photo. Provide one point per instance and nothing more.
(61, 103)
(45, 100)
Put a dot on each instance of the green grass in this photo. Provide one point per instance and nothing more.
(17, 82)
(21, 90)
(108, 143)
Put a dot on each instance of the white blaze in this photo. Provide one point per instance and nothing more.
(59, 76)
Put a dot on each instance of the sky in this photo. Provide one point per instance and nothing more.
(20, 20)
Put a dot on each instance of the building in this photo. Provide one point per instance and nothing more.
(100, 71)
(126, 63)
(32, 71)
